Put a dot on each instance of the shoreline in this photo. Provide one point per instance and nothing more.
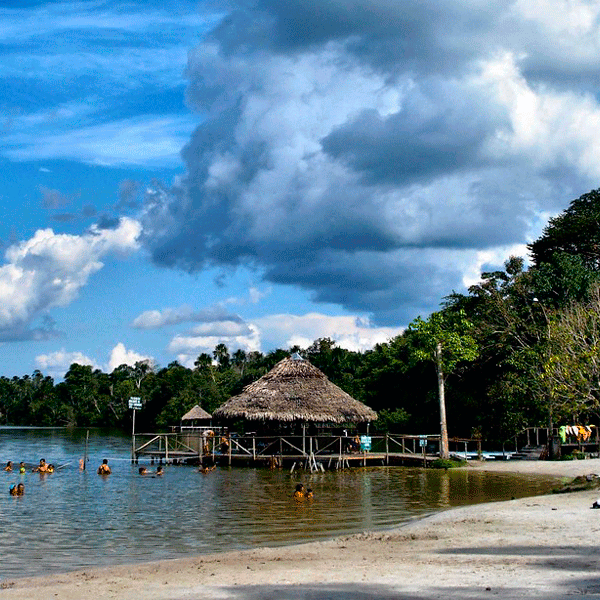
(535, 547)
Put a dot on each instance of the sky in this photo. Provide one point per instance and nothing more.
(178, 174)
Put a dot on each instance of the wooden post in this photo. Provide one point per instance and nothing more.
(87, 437)
(229, 446)
(253, 448)
(403, 445)
(387, 450)
(133, 438)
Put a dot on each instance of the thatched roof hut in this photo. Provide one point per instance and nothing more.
(196, 414)
(295, 390)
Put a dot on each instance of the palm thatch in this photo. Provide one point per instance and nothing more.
(196, 413)
(295, 390)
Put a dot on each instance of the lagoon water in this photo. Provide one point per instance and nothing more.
(73, 520)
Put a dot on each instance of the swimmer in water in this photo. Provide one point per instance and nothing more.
(8, 466)
(12, 490)
(309, 493)
(104, 469)
(22, 467)
(143, 471)
(159, 471)
(42, 467)
(20, 489)
(299, 491)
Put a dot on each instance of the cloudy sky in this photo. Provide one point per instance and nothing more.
(177, 174)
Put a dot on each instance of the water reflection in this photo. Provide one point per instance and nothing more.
(71, 519)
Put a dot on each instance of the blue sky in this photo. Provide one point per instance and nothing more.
(180, 174)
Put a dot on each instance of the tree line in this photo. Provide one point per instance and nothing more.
(520, 348)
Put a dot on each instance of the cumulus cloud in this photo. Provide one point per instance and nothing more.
(235, 336)
(49, 270)
(349, 332)
(57, 363)
(155, 319)
(375, 152)
(120, 355)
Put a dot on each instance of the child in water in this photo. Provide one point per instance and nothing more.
(21, 467)
(299, 491)
(8, 466)
(309, 493)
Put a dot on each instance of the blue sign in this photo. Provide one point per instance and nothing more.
(365, 443)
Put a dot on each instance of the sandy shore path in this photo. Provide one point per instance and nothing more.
(542, 547)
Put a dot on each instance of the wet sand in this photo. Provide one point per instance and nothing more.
(541, 547)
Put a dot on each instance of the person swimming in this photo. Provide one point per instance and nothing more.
(22, 467)
(50, 468)
(159, 471)
(299, 492)
(12, 490)
(104, 469)
(9, 466)
(309, 493)
(143, 471)
(20, 489)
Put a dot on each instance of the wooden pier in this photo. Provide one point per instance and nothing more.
(312, 452)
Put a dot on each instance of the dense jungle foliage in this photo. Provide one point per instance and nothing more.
(521, 348)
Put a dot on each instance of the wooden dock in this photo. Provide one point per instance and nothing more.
(312, 452)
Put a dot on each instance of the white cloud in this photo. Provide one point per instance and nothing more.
(155, 319)
(188, 347)
(57, 363)
(122, 356)
(350, 332)
(548, 127)
(148, 140)
(50, 269)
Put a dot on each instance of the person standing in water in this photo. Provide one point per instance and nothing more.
(104, 469)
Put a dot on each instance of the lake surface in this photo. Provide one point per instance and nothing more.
(72, 519)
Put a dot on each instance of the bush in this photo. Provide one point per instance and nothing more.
(442, 463)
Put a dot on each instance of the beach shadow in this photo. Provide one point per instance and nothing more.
(376, 592)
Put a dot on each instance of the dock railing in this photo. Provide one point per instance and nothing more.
(339, 450)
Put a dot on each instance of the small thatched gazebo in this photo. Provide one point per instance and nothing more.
(196, 414)
(295, 391)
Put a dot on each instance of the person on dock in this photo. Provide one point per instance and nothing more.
(104, 469)
(299, 492)
(9, 466)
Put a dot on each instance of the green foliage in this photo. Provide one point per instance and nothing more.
(447, 463)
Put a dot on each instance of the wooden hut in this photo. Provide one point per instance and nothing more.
(295, 392)
(196, 414)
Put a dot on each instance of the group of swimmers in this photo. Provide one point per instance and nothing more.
(159, 471)
(43, 467)
(301, 492)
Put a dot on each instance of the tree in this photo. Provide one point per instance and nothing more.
(572, 367)
(575, 231)
(445, 340)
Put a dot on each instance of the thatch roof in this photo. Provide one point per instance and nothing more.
(195, 413)
(295, 390)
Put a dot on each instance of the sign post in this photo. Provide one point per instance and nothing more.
(135, 403)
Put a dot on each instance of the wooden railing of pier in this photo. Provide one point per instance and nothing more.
(315, 452)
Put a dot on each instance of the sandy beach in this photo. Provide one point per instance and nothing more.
(541, 547)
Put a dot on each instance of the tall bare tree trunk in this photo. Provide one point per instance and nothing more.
(444, 449)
